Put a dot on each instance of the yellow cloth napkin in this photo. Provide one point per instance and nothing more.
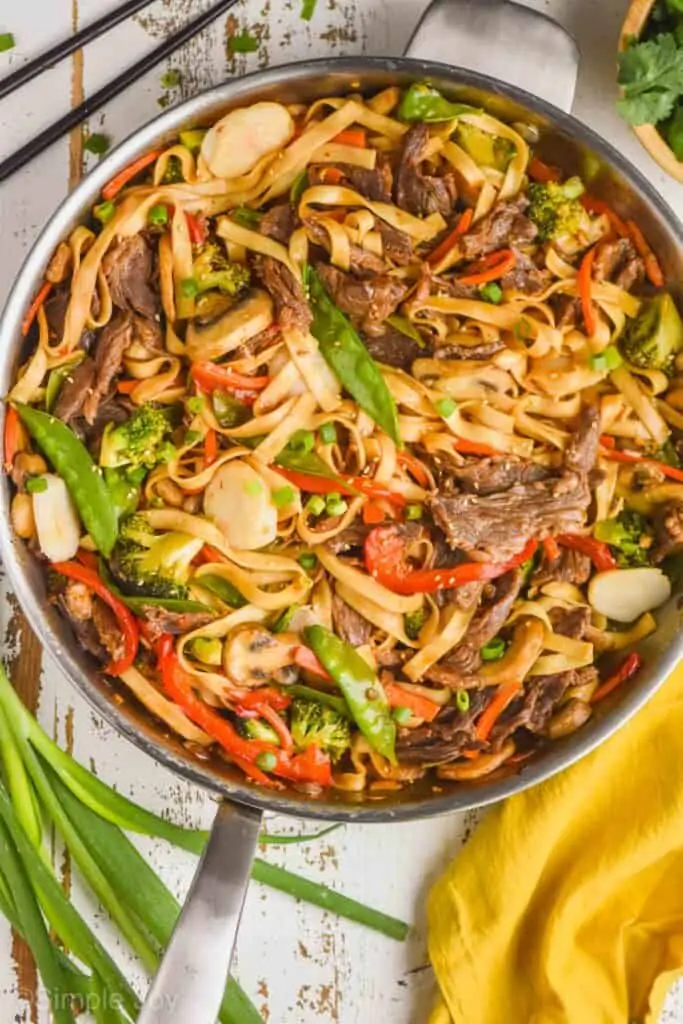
(566, 905)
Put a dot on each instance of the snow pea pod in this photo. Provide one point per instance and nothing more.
(71, 460)
(349, 359)
(360, 686)
(422, 102)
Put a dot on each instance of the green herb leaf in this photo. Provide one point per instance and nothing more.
(7, 42)
(243, 43)
(299, 186)
(308, 9)
(96, 143)
(651, 74)
(104, 212)
(171, 78)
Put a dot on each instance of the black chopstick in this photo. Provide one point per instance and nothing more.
(55, 131)
(62, 49)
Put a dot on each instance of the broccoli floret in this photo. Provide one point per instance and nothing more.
(141, 440)
(153, 564)
(311, 722)
(555, 209)
(212, 269)
(628, 535)
(653, 339)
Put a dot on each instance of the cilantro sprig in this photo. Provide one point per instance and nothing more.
(651, 75)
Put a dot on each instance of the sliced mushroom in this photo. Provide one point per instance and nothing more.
(253, 656)
(569, 718)
(242, 321)
(482, 765)
(240, 503)
(235, 144)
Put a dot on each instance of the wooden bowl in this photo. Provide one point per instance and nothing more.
(654, 143)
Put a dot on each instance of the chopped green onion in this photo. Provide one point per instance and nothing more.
(462, 700)
(193, 138)
(401, 715)
(189, 287)
(491, 292)
(607, 360)
(446, 407)
(302, 441)
(158, 216)
(192, 437)
(327, 433)
(7, 42)
(36, 484)
(493, 650)
(315, 505)
(195, 404)
(414, 512)
(96, 143)
(283, 496)
(104, 212)
(299, 186)
(266, 761)
(243, 43)
(170, 78)
(335, 506)
(284, 621)
(247, 217)
(307, 561)
(308, 9)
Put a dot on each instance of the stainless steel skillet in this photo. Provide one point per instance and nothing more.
(522, 68)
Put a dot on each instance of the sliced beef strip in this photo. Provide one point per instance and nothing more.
(505, 226)
(75, 390)
(112, 342)
(567, 310)
(444, 739)
(569, 567)
(582, 450)
(534, 708)
(367, 303)
(280, 222)
(160, 621)
(129, 269)
(572, 622)
(498, 473)
(93, 622)
(375, 184)
(525, 276)
(397, 244)
(363, 262)
(418, 193)
(55, 312)
(488, 621)
(108, 630)
(480, 352)
(619, 262)
(148, 333)
(350, 624)
(350, 539)
(456, 289)
(395, 349)
(291, 307)
(668, 531)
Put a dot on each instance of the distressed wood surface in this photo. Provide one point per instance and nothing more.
(300, 965)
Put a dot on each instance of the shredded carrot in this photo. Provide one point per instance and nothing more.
(492, 267)
(628, 668)
(598, 206)
(331, 175)
(126, 387)
(210, 447)
(352, 137)
(113, 187)
(490, 715)
(461, 228)
(414, 467)
(400, 697)
(196, 229)
(551, 548)
(466, 447)
(584, 282)
(12, 436)
(652, 267)
(373, 513)
(617, 455)
(539, 171)
(32, 313)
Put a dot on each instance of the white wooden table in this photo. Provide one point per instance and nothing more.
(298, 964)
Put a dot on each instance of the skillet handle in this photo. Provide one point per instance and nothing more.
(504, 40)
(189, 985)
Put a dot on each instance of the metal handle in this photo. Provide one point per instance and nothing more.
(501, 39)
(189, 985)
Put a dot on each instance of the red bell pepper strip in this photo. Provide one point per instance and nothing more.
(598, 206)
(306, 659)
(196, 229)
(443, 248)
(264, 695)
(414, 467)
(490, 268)
(124, 617)
(87, 558)
(373, 513)
(551, 548)
(126, 387)
(210, 555)
(584, 281)
(628, 668)
(540, 171)
(351, 485)
(12, 438)
(598, 552)
(121, 179)
(32, 312)
(386, 562)
(311, 766)
(652, 267)
(399, 697)
(209, 376)
(490, 715)
(617, 455)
